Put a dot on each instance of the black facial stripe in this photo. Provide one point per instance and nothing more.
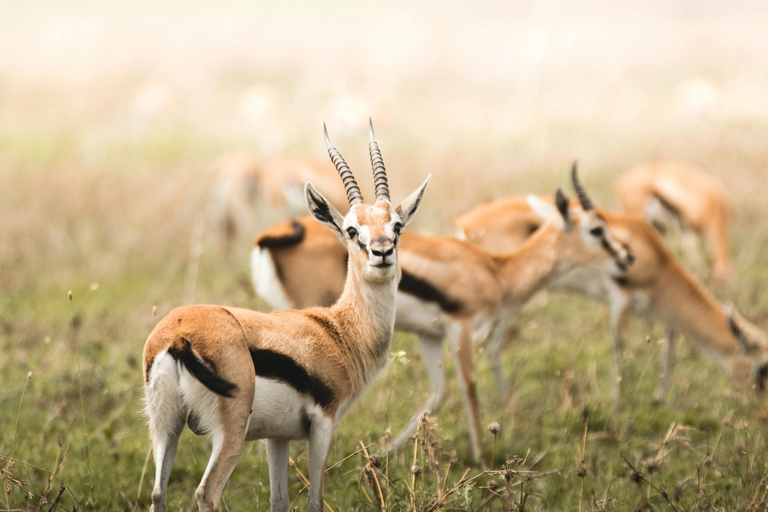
(425, 291)
(362, 246)
(269, 364)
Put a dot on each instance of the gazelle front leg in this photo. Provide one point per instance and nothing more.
(320, 433)
(667, 366)
(460, 338)
(432, 352)
(619, 318)
(277, 456)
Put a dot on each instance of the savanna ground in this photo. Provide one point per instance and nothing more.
(110, 116)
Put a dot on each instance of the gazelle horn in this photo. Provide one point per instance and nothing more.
(350, 185)
(584, 199)
(379, 172)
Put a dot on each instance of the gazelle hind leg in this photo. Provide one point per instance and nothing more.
(320, 434)
(228, 438)
(667, 366)
(460, 338)
(495, 346)
(432, 352)
(277, 455)
(166, 421)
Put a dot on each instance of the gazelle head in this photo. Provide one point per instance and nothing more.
(749, 366)
(370, 232)
(586, 238)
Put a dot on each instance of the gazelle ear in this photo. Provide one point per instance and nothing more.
(562, 203)
(411, 203)
(322, 210)
(540, 207)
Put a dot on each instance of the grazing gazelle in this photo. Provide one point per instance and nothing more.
(657, 286)
(245, 188)
(449, 287)
(241, 375)
(670, 192)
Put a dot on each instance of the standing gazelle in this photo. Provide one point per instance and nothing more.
(449, 287)
(243, 375)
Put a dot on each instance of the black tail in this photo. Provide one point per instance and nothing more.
(201, 370)
(280, 241)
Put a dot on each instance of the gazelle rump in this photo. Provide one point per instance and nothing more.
(657, 286)
(241, 375)
(449, 287)
(671, 192)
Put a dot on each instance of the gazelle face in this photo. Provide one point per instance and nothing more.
(372, 234)
(586, 240)
(600, 249)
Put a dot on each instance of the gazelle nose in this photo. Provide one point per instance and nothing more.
(383, 254)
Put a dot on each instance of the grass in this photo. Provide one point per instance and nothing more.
(103, 202)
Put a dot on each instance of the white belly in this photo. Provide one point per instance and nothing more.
(417, 316)
(279, 411)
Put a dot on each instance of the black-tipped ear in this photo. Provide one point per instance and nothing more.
(322, 210)
(562, 203)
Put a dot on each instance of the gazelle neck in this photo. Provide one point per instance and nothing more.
(526, 270)
(685, 305)
(366, 313)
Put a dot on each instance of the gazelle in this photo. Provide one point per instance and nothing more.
(243, 375)
(670, 192)
(245, 188)
(449, 287)
(656, 285)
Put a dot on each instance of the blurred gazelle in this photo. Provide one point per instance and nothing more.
(657, 285)
(242, 375)
(449, 287)
(670, 192)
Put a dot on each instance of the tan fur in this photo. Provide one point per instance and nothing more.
(656, 284)
(483, 286)
(696, 197)
(240, 374)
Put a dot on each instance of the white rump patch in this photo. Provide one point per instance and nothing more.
(265, 281)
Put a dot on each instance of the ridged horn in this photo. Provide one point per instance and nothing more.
(584, 199)
(354, 195)
(379, 172)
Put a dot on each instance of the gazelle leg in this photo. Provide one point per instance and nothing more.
(667, 366)
(495, 346)
(619, 319)
(228, 441)
(277, 455)
(460, 338)
(319, 441)
(164, 450)
(432, 352)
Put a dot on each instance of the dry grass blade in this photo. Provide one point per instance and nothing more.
(663, 493)
(370, 471)
(305, 480)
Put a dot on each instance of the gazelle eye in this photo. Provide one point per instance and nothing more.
(598, 231)
(398, 228)
(352, 232)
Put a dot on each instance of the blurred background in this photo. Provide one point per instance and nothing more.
(112, 113)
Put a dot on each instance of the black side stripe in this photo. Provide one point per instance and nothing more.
(283, 241)
(269, 364)
(425, 291)
(205, 372)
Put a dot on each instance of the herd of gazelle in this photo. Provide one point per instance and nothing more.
(242, 375)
